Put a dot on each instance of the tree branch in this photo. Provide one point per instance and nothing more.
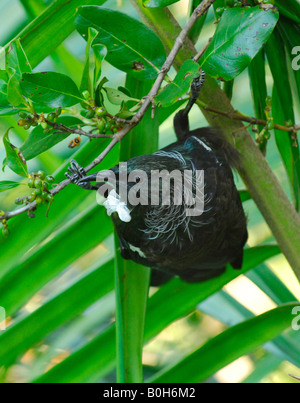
(148, 100)
(236, 115)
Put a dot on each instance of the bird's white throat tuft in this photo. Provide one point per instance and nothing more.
(114, 204)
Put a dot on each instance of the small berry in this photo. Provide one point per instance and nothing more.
(101, 111)
(31, 198)
(86, 94)
(101, 124)
(58, 111)
(50, 179)
(22, 122)
(39, 200)
(90, 114)
(51, 116)
(38, 183)
(50, 197)
(30, 182)
(41, 175)
(5, 232)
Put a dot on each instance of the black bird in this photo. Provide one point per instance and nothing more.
(164, 237)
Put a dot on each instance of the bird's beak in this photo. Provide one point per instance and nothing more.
(88, 178)
(85, 182)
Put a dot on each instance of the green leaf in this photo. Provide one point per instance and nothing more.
(16, 59)
(8, 111)
(289, 8)
(158, 3)
(55, 312)
(34, 270)
(196, 29)
(244, 195)
(7, 185)
(126, 41)
(180, 86)
(239, 36)
(282, 109)
(86, 84)
(38, 142)
(51, 89)
(132, 280)
(14, 158)
(3, 87)
(57, 23)
(117, 97)
(100, 52)
(290, 33)
(228, 346)
(14, 92)
(257, 75)
(81, 366)
(60, 211)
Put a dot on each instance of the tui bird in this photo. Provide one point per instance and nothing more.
(162, 235)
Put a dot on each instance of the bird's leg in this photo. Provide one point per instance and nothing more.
(77, 175)
(181, 120)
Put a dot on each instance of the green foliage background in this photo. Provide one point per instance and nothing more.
(68, 320)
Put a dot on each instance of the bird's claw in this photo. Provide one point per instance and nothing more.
(77, 173)
(197, 84)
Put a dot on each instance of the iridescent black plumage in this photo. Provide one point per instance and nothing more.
(164, 237)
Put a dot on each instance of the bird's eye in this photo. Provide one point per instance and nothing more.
(138, 179)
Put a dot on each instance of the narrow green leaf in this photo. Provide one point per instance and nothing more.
(38, 142)
(17, 60)
(244, 195)
(158, 3)
(8, 111)
(290, 33)
(7, 185)
(3, 93)
(51, 89)
(282, 109)
(180, 86)
(132, 280)
(56, 22)
(86, 83)
(289, 8)
(270, 284)
(25, 333)
(132, 284)
(14, 158)
(88, 364)
(59, 214)
(197, 27)
(257, 75)
(80, 366)
(239, 36)
(126, 41)
(27, 277)
(100, 52)
(228, 346)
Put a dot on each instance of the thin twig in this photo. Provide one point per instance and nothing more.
(236, 115)
(148, 100)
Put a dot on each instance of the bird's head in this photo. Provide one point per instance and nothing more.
(130, 185)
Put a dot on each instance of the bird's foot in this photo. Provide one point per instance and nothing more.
(76, 175)
(196, 85)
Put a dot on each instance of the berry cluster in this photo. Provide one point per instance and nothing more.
(28, 120)
(41, 194)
